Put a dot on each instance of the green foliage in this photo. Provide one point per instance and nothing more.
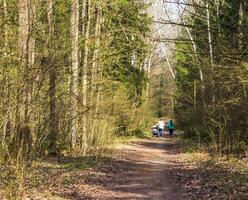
(118, 77)
(214, 109)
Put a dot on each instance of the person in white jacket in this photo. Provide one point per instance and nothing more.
(160, 126)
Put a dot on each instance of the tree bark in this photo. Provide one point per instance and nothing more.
(52, 85)
(241, 18)
(85, 74)
(96, 73)
(209, 35)
(74, 68)
(5, 12)
(23, 34)
(26, 44)
(218, 3)
(194, 48)
(5, 74)
(148, 77)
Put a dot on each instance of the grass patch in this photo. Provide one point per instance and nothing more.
(82, 162)
(71, 163)
(134, 135)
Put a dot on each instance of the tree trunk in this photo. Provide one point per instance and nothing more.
(5, 11)
(52, 86)
(241, 19)
(26, 44)
(74, 68)
(85, 74)
(95, 73)
(23, 31)
(194, 48)
(218, 3)
(209, 35)
(5, 75)
(148, 77)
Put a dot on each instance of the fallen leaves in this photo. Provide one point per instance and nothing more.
(206, 178)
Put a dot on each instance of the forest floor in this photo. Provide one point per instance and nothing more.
(138, 170)
(155, 169)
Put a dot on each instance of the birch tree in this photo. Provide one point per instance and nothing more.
(96, 73)
(85, 74)
(209, 35)
(75, 68)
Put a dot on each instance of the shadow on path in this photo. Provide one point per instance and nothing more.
(143, 171)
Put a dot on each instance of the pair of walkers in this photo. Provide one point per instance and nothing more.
(161, 125)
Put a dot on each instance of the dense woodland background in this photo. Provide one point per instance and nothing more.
(78, 74)
(73, 75)
(212, 73)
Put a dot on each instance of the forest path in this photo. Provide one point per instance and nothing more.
(142, 170)
(149, 170)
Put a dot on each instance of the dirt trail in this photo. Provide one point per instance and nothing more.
(150, 174)
(139, 171)
(142, 172)
(150, 169)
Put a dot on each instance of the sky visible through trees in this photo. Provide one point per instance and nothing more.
(202, 44)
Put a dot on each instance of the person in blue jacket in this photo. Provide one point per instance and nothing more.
(171, 127)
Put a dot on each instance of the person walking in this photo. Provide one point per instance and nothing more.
(171, 127)
(160, 126)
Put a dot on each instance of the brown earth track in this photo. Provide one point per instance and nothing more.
(147, 169)
(142, 170)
